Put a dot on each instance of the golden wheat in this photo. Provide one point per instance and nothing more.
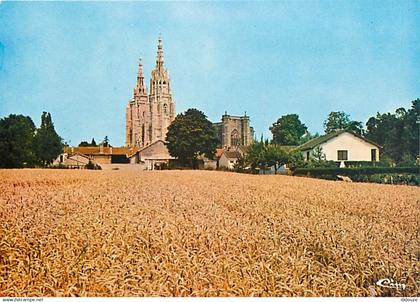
(203, 233)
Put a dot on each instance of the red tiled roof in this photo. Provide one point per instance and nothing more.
(101, 150)
(219, 152)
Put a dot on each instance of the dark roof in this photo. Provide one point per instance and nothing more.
(232, 154)
(288, 147)
(322, 139)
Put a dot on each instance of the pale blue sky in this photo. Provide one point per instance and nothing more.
(78, 60)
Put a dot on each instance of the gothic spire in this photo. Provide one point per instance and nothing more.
(140, 87)
(159, 57)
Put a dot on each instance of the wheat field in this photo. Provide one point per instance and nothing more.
(203, 233)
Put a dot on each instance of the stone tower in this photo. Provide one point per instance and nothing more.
(148, 116)
(234, 131)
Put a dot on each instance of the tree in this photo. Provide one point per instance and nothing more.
(261, 155)
(275, 156)
(397, 133)
(336, 120)
(339, 120)
(16, 139)
(307, 137)
(318, 154)
(295, 160)
(288, 130)
(105, 142)
(47, 143)
(93, 143)
(255, 156)
(191, 135)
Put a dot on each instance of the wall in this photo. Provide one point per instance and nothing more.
(225, 162)
(358, 149)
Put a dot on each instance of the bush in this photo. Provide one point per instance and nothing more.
(354, 171)
(390, 175)
(357, 164)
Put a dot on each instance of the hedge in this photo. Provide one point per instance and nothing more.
(333, 172)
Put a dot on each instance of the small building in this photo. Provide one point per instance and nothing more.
(152, 157)
(229, 159)
(73, 161)
(341, 146)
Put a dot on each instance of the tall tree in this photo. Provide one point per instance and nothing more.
(93, 143)
(47, 143)
(288, 130)
(338, 120)
(16, 139)
(397, 133)
(191, 134)
(105, 142)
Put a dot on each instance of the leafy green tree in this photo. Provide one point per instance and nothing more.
(84, 144)
(256, 155)
(190, 135)
(397, 133)
(275, 156)
(288, 130)
(93, 143)
(16, 139)
(338, 120)
(295, 160)
(47, 143)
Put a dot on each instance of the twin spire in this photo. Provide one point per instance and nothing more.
(140, 87)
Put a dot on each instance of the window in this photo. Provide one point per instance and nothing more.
(342, 155)
(234, 138)
(307, 155)
(61, 158)
(165, 109)
(373, 154)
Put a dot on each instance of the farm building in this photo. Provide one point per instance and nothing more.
(152, 157)
(342, 145)
(75, 160)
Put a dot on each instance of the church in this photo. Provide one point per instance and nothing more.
(149, 114)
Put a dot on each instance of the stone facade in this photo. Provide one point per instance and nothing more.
(149, 115)
(234, 131)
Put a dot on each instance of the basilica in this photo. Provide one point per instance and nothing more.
(148, 114)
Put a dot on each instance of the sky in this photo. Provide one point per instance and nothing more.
(78, 60)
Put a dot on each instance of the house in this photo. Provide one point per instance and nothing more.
(152, 157)
(229, 159)
(342, 145)
(75, 160)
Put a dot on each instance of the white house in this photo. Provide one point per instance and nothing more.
(229, 159)
(342, 145)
